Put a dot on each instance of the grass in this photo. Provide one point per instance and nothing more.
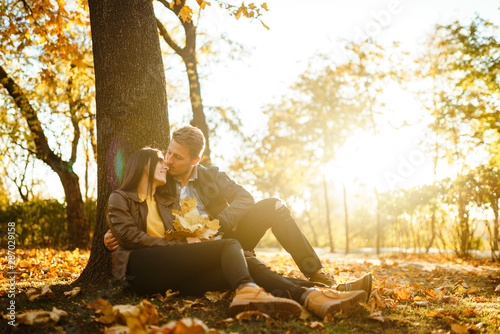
(417, 294)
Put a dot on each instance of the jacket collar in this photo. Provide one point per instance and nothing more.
(166, 201)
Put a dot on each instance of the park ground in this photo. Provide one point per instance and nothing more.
(412, 294)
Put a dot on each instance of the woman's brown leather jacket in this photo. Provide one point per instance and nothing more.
(127, 219)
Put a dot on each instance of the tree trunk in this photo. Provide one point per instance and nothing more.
(328, 223)
(196, 105)
(379, 223)
(188, 55)
(433, 228)
(131, 103)
(78, 230)
(78, 227)
(495, 227)
(315, 235)
(346, 215)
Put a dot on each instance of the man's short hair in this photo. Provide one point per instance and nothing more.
(192, 138)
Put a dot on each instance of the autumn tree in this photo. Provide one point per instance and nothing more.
(304, 131)
(187, 49)
(460, 67)
(45, 73)
(131, 102)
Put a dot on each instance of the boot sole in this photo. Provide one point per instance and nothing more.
(348, 304)
(283, 308)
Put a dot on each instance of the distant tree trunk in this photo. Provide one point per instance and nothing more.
(495, 226)
(433, 228)
(188, 55)
(379, 223)
(309, 221)
(346, 215)
(78, 227)
(327, 207)
(131, 103)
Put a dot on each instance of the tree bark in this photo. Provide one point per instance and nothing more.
(131, 103)
(346, 217)
(327, 207)
(78, 228)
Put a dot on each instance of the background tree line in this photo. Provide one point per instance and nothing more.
(47, 75)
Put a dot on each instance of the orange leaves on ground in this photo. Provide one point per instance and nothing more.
(40, 317)
(134, 317)
(37, 267)
(253, 316)
(168, 295)
(33, 294)
(215, 296)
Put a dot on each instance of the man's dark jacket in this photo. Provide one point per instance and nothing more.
(222, 198)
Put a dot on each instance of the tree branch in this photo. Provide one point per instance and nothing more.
(73, 107)
(168, 39)
(43, 151)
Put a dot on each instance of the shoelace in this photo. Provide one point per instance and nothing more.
(259, 291)
(330, 293)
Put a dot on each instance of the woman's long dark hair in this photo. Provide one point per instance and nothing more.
(135, 167)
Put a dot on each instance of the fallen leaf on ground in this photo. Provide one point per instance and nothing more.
(33, 294)
(215, 296)
(186, 326)
(103, 307)
(252, 316)
(168, 295)
(377, 316)
(315, 324)
(459, 328)
(31, 318)
(76, 290)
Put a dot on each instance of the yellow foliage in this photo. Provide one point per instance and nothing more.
(190, 224)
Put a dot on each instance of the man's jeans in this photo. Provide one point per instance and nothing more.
(263, 216)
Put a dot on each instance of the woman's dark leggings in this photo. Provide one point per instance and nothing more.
(208, 266)
(189, 268)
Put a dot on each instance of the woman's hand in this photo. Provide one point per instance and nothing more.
(192, 240)
(110, 241)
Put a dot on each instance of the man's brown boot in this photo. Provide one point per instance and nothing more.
(321, 277)
(327, 301)
(255, 298)
(364, 283)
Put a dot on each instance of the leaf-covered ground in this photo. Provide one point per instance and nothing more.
(412, 294)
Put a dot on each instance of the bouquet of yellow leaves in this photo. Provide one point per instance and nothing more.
(188, 223)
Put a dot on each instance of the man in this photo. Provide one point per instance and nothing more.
(239, 216)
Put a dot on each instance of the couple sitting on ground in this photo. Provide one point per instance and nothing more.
(140, 212)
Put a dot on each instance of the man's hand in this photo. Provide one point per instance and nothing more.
(110, 241)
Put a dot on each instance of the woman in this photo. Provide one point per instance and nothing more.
(138, 214)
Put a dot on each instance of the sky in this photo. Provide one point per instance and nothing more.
(299, 30)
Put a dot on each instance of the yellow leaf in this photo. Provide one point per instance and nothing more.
(40, 317)
(264, 24)
(186, 13)
(76, 290)
(433, 314)
(106, 309)
(190, 224)
(203, 3)
(252, 316)
(264, 5)
(459, 328)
